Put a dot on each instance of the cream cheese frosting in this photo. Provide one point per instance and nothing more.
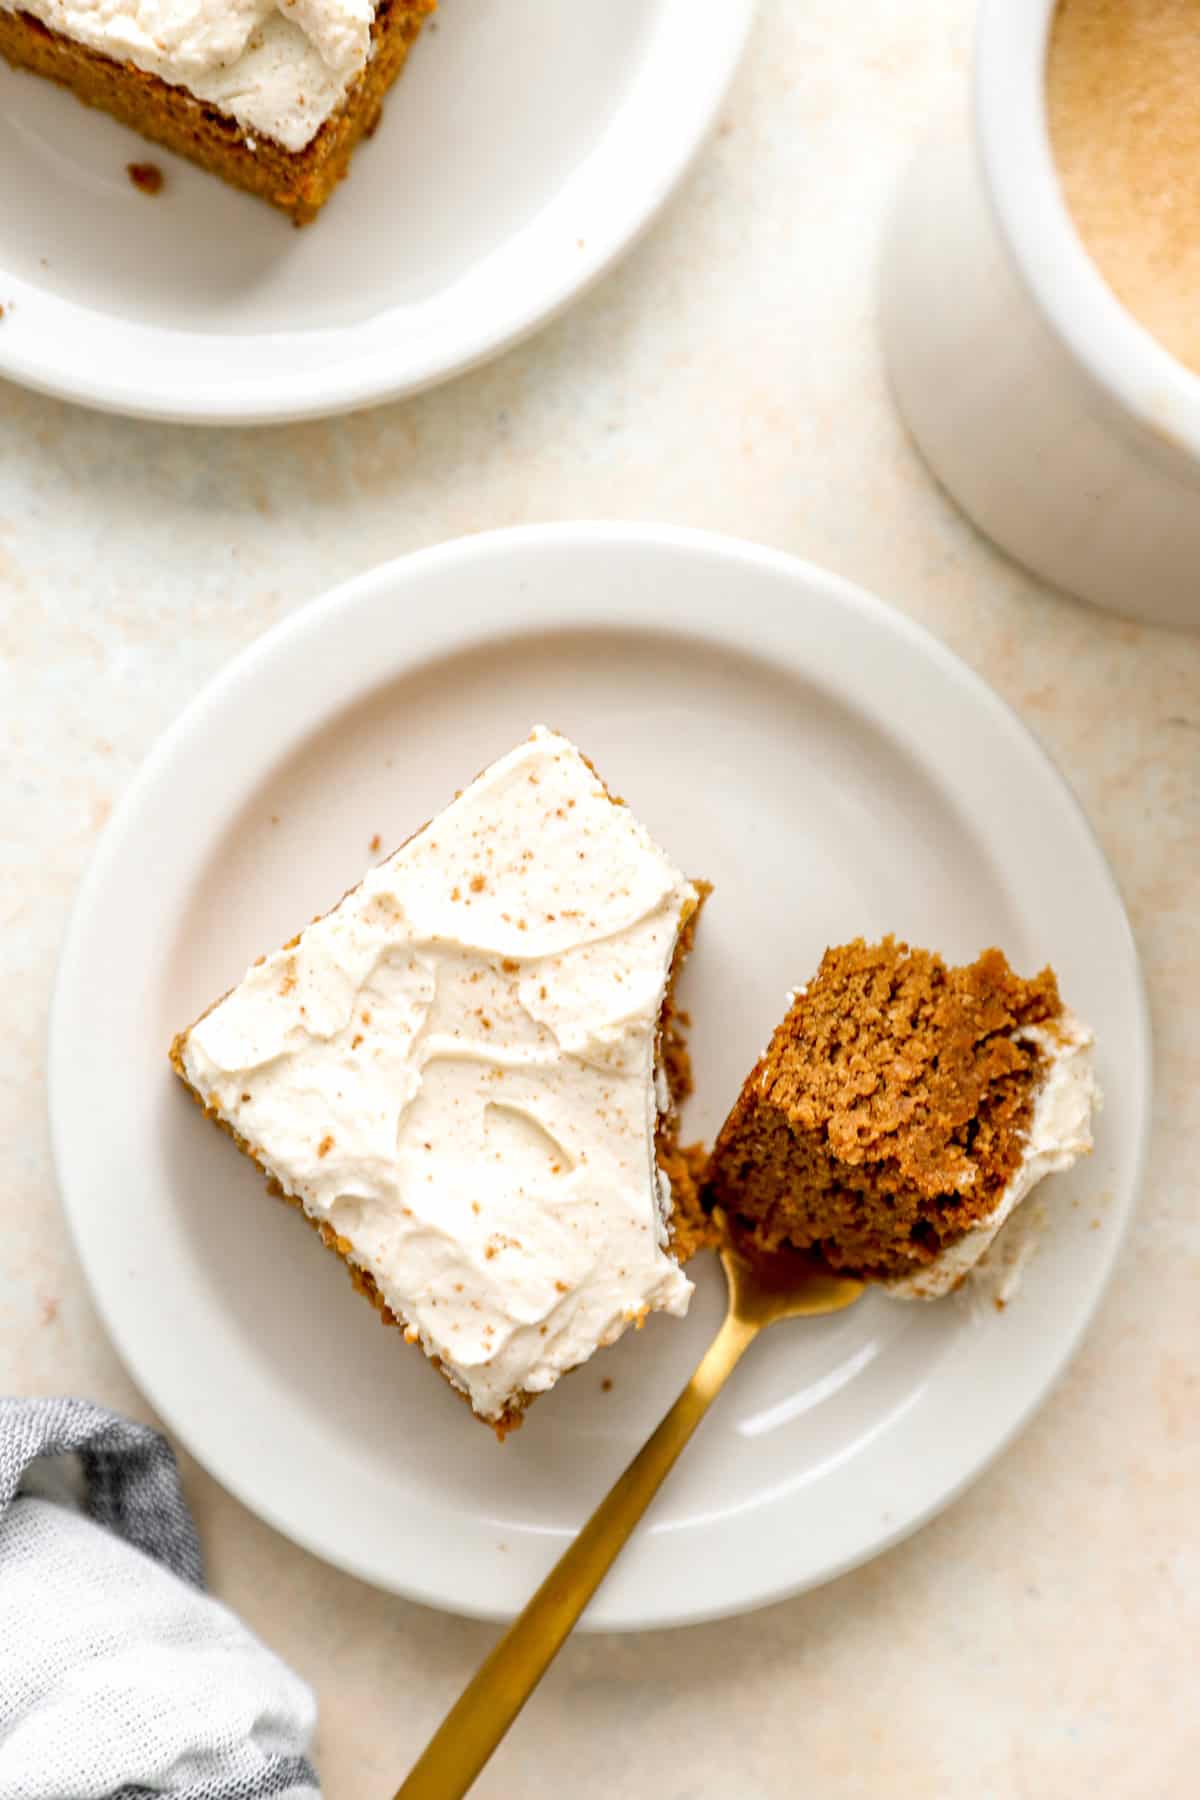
(1060, 1132)
(456, 1070)
(279, 67)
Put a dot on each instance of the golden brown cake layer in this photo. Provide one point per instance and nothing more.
(298, 184)
(889, 1112)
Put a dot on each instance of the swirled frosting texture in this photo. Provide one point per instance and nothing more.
(456, 1070)
(279, 67)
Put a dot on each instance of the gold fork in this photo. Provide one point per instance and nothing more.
(762, 1290)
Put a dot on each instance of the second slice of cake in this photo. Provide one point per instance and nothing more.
(271, 95)
(467, 1075)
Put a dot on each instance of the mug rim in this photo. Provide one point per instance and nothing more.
(1013, 138)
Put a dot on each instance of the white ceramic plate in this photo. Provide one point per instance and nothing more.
(526, 145)
(832, 770)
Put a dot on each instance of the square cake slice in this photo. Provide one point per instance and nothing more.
(902, 1110)
(274, 96)
(467, 1076)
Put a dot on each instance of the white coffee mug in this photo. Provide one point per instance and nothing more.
(1068, 434)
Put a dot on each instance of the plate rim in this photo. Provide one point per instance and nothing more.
(188, 398)
(475, 625)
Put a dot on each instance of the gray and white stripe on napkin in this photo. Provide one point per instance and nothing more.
(120, 1678)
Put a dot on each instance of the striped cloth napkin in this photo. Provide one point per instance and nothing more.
(120, 1678)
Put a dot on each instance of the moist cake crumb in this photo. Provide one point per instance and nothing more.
(147, 177)
(891, 1113)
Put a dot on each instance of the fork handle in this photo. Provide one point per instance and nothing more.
(490, 1702)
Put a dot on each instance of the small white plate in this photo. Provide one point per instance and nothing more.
(832, 770)
(526, 145)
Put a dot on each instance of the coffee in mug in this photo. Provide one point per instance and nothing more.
(1123, 104)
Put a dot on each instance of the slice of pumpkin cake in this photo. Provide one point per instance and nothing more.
(467, 1076)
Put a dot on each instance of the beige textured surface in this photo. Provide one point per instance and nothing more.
(1041, 1639)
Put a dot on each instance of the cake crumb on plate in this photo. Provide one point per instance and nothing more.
(147, 177)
